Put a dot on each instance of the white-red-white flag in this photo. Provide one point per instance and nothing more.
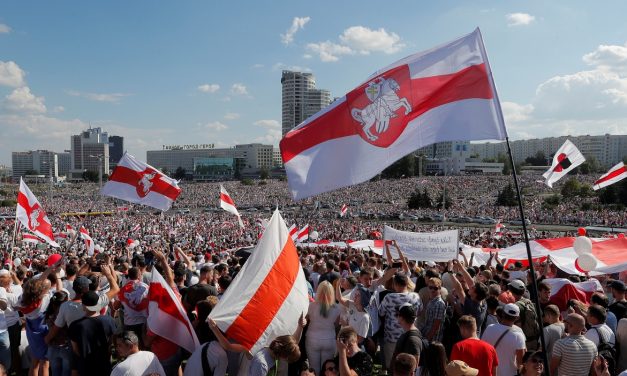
(69, 229)
(130, 243)
(267, 297)
(303, 234)
(615, 174)
(443, 94)
(89, 242)
(566, 158)
(140, 183)
(32, 216)
(166, 315)
(226, 203)
(344, 210)
(29, 238)
(293, 232)
(136, 227)
(563, 290)
(498, 227)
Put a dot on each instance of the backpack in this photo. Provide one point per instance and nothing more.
(607, 351)
(424, 344)
(528, 319)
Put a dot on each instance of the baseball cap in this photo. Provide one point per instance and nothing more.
(81, 284)
(430, 264)
(90, 301)
(517, 285)
(618, 285)
(54, 258)
(408, 311)
(4, 272)
(511, 309)
(460, 368)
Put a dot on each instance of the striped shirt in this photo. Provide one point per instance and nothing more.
(576, 354)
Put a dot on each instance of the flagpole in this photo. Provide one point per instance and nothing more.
(534, 284)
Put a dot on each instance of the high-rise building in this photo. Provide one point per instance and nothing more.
(89, 152)
(35, 162)
(116, 149)
(606, 149)
(300, 98)
(65, 163)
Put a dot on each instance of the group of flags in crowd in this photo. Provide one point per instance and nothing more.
(444, 94)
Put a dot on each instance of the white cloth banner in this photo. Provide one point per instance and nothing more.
(425, 246)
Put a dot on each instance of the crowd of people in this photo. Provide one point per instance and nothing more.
(64, 312)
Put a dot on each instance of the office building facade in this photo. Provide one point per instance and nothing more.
(300, 98)
(89, 152)
(34, 162)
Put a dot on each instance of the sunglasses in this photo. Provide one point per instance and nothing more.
(536, 361)
(434, 288)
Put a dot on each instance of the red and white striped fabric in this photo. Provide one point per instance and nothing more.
(28, 238)
(610, 253)
(140, 183)
(89, 242)
(343, 210)
(293, 232)
(615, 174)
(303, 234)
(166, 316)
(32, 216)
(268, 295)
(562, 290)
(60, 235)
(226, 203)
(498, 227)
(69, 229)
(443, 94)
(375, 245)
(136, 227)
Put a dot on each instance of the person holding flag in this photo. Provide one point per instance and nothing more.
(32, 216)
(226, 203)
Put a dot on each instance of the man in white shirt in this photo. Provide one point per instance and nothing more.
(12, 317)
(508, 341)
(598, 328)
(137, 363)
(5, 343)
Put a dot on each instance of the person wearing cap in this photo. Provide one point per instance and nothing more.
(619, 306)
(136, 362)
(508, 340)
(475, 352)
(528, 319)
(90, 337)
(460, 368)
(573, 355)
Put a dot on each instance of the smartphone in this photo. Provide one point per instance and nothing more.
(397, 264)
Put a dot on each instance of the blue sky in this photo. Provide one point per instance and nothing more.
(187, 72)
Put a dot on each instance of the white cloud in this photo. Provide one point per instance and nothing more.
(99, 97)
(329, 51)
(4, 28)
(296, 68)
(11, 74)
(231, 116)
(215, 126)
(22, 100)
(239, 89)
(257, 66)
(611, 58)
(307, 56)
(58, 109)
(268, 124)
(365, 40)
(515, 113)
(273, 136)
(209, 88)
(297, 24)
(519, 19)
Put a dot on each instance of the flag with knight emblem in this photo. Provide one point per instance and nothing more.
(443, 94)
(566, 159)
(32, 216)
(140, 183)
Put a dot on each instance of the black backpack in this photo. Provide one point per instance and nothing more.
(607, 351)
(424, 344)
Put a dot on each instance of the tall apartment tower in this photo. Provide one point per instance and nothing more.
(87, 149)
(116, 149)
(300, 98)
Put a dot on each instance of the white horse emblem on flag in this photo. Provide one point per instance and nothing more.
(384, 103)
(34, 219)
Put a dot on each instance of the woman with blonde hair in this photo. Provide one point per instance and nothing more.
(323, 316)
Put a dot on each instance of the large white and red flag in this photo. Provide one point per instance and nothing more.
(32, 216)
(268, 295)
(303, 234)
(615, 174)
(89, 242)
(343, 210)
(29, 238)
(226, 203)
(166, 315)
(443, 94)
(563, 290)
(566, 159)
(140, 183)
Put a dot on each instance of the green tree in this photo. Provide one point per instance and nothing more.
(538, 160)
(264, 173)
(405, 166)
(91, 176)
(507, 165)
(590, 166)
(571, 188)
(448, 202)
(418, 200)
(179, 174)
(507, 197)
(551, 202)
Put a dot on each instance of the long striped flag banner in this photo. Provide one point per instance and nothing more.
(268, 295)
(614, 175)
(227, 203)
(443, 94)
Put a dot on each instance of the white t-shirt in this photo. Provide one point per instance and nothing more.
(604, 330)
(13, 299)
(3, 321)
(216, 357)
(69, 286)
(506, 350)
(321, 327)
(360, 321)
(141, 363)
(68, 313)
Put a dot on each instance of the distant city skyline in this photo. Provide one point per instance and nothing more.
(169, 73)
